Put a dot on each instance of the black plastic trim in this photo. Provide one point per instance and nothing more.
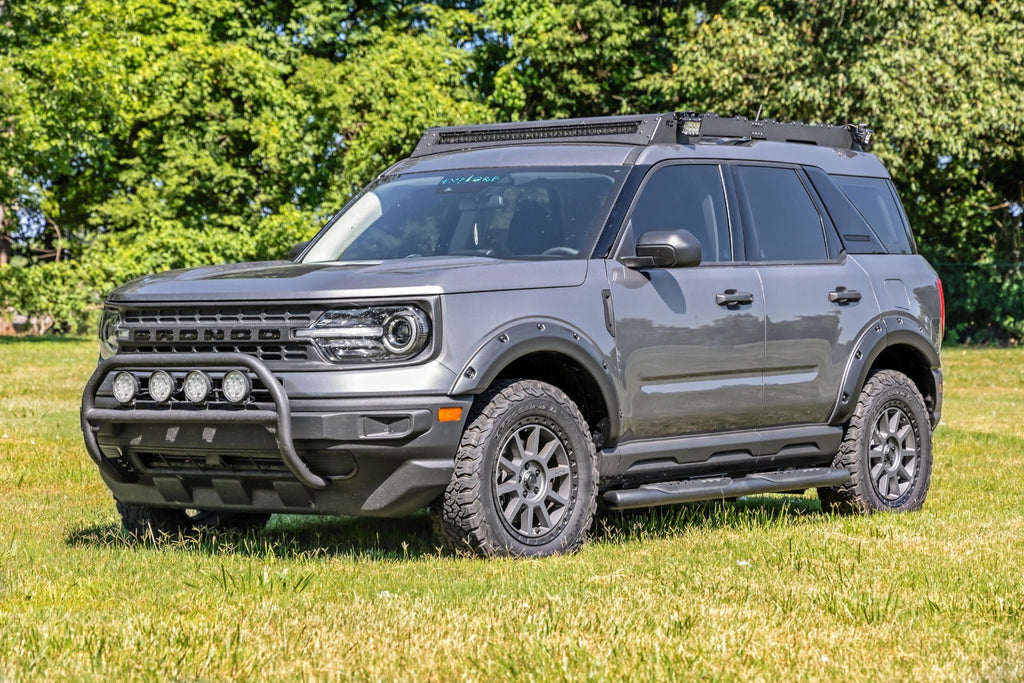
(537, 337)
(881, 334)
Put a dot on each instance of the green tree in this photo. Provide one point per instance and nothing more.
(170, 135)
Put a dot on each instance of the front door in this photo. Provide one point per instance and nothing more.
(690, 340)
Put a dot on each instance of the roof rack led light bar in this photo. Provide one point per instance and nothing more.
(641, 130)
(458, 137)
(626, 130)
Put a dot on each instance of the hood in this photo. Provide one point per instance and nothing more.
(287, 281)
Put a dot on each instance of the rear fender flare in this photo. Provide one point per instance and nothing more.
(885, 332)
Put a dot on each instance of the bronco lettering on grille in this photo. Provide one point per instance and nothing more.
(207, 334)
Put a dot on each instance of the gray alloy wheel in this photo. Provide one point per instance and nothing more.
(525, 481)
(887, 449)
(894, 455)
(533, 481)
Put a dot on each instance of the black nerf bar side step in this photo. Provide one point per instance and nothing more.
(674, 492)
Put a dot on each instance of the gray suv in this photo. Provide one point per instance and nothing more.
(523, 321)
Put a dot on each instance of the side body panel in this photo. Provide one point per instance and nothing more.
(810, 338)
(687, 365)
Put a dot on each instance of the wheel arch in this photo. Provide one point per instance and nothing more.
(549, 353)
(889, 345)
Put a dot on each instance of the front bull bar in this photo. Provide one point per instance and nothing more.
(278, 421)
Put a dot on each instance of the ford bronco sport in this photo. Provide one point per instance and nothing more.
(521, 320)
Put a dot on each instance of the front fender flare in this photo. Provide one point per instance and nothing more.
(522, 339)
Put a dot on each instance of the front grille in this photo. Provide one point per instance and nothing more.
(261, 332)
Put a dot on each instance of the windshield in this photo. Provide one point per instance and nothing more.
(502, 213)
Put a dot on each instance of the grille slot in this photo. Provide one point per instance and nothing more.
(269, 352)
(220, 316)
(233, 463)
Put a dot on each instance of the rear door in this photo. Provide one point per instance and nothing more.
(817, 301)
(689, 361)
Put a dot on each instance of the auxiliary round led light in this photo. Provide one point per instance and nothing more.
(197, 386)
(126, 387)
(236, 386)
(161, 386)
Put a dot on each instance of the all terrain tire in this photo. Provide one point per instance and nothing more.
(148, 523)
(887, 449)
(525, 481)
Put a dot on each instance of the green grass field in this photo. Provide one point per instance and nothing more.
(766, 589)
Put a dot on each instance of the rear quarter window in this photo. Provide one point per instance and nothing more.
(876, 201)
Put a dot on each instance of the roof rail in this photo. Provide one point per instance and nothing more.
(641, 130)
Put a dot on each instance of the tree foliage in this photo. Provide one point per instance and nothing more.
(137, 136)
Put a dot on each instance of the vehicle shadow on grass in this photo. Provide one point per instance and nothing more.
(286, 536)
(411, 538)
(748, 513)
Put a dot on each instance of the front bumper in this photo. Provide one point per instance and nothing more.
(379, 456)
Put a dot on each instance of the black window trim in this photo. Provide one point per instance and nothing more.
(621, 247)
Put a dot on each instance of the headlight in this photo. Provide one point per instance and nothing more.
(371, 333)
(108, 332)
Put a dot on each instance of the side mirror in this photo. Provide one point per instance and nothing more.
(665, 249)
(294, 252)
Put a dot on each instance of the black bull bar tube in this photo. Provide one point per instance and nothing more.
(280, 418)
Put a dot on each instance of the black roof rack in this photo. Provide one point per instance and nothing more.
(644, 129)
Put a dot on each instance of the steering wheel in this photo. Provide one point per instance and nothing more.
(560, 251)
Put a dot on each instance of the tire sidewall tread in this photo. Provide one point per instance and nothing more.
(467, 519)
(858, 496)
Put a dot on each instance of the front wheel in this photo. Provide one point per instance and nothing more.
(525, 481)
(887, 450)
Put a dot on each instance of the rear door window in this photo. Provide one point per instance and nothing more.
(876, 201)
(786, 223)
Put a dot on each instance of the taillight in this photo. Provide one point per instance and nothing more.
(942, 309)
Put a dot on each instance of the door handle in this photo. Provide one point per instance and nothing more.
(731, 297)
(842, 295)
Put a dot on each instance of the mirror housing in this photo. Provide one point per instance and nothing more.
(294, 252)
(665, 249)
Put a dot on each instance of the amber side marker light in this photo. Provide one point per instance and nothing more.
(449, 414)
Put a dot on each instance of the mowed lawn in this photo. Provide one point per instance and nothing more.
(766, 589)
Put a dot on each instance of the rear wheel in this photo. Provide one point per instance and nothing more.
(525, 481)
(887, 450)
